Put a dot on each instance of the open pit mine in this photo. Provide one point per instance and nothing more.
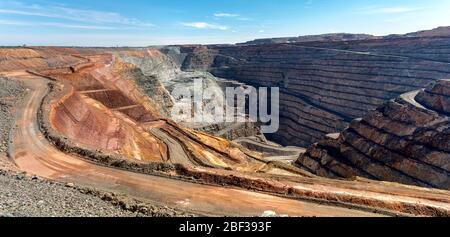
(364, 126)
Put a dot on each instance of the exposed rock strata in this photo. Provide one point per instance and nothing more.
(406, 140)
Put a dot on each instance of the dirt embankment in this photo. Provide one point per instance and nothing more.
(100, 157)
(35, 58)
(29, 196)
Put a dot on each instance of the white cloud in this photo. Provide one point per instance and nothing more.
(72, 14)
(85, 27)
(14, 23)
(24, 13)
(232, 15)
(101, 17)
(225, 15)
(204, 25)
(390, 10)
(56, 24)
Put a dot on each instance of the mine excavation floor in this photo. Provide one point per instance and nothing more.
(32, 153)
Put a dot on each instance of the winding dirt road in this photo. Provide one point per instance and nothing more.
(34, 154)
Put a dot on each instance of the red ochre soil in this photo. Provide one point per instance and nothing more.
(100, 109)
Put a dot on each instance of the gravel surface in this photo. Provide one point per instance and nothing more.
(10, 92)
(30, 196)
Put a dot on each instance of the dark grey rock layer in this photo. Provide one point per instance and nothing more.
(406, 140)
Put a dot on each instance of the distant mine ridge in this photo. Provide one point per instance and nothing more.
(440, 31)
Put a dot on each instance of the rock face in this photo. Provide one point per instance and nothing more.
(407, 140)
(152, 63)
(159, 74)
(149, 70)
(198, 57)
(437, 97)
(325, 85)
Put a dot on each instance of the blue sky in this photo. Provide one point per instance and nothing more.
(151, 22)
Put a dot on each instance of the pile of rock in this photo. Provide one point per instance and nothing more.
(30, 196)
